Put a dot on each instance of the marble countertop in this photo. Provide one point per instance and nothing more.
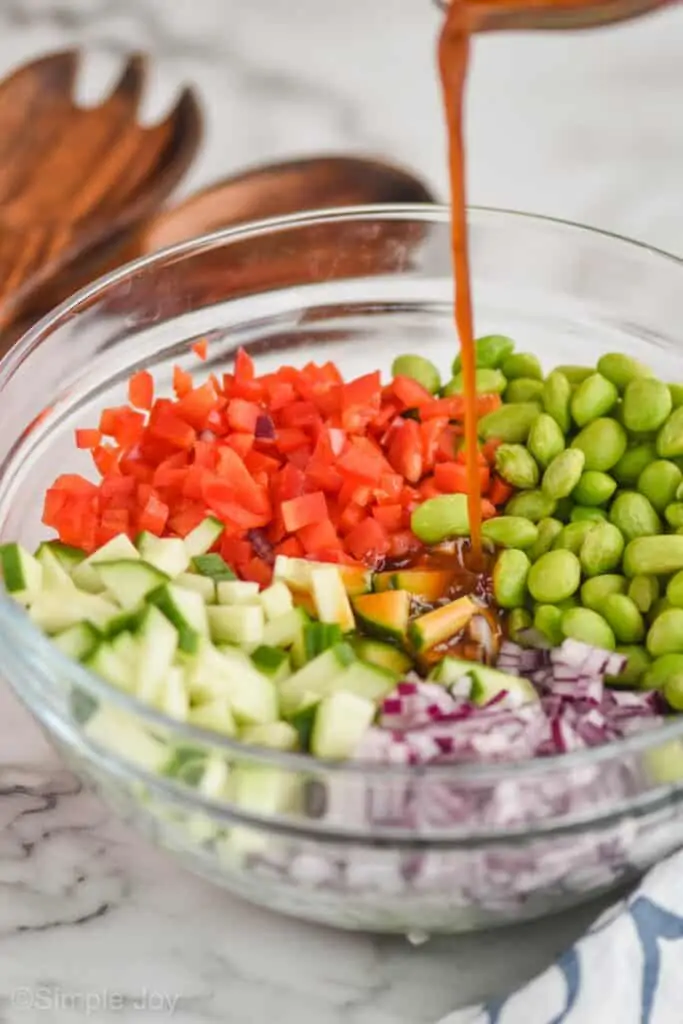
(92, 921)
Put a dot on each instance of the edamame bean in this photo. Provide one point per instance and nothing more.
(563, 509)
(674, 590)
(548, 621)
(510, 532)
(659, 483)
(602, 549)
(624, 618)
(637, 665)
(662, 604)
(563, 473)
(573, 535)
(510, 578)
(583, 513)
(670, 437)
(487, 382)
(676, 392)
(439, 518)
(490, 351)
(596, 590)
(633, 514)
(417, 368)
(621, 369)
(644, 591)
(575, 374)
(593, 397)
(647, 404)
(510, 424)
(665, 635)
(632, 463)
(661, 669)
(548, 529)
(674, 514)
(557, 394)
(521, 364)
(546, 440)
(519, 620)
(673, 692)
(590, 628)
(524, 389)
(516, 466)
(603, 443)
(533, 505)
(554, 577)
(594, 488)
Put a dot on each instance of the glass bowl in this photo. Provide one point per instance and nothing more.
(490, 844)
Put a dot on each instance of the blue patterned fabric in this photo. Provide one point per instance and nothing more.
(628, 968)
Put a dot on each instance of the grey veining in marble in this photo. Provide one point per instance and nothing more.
(584, 127)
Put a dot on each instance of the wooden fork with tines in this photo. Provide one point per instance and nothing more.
(73, 178)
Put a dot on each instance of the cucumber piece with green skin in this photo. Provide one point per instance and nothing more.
(203, 537)
(173, 699)
(486, 683)
(384, 655)
(318, 677)
(55, 575)
(384, 615)
(22, 573)
(273, 662)
(340, 722)
(237, 592)
(319, 636)
(127, 648)
(186, 611)
(53, 611)
(213, 784)
(158, 641)
(277, 736)
(331, 600)
(111, 666)
(303, 718)
(123, 622)
(236, 624)
(167, 554)
(230, 674)
(214, 567)
(129, 581)
(215, 715)
(67, 556)
(276, 600)
(286, 629)
(436, 626)
(78, 642)
(84, 575)
(452, 670)
(365, 680)
(119, 732)
(202, 585)
(427, 584)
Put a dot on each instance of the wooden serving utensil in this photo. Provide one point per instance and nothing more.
(74, 178)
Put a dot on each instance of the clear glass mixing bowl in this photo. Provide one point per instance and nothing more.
(496, 843)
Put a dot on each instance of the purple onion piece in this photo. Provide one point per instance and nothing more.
(265, 428)
(261, 545)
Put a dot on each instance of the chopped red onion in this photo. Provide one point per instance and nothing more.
(265, 428)
(261, 545)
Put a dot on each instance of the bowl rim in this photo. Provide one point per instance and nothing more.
(15, 623)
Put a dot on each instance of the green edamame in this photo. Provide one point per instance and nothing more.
(644, 591)
(674, 514)
(490, 351)
(524, 389)
(661, 669)
(593, 397)
(548, 529)
(510, 424)
(546, 440)
(575, 374)
(554, 577)
(621, 369)
(573, 535)
(439, 518)
(557, 394)
(564, 509)
(510, 578)
(597, 589)
(582, 513)
(676, 392)
(487, 382)
(632, 463)
(533, 505)
(519, 620)
(603, 443)
(602, 549)
(633, 514)
(674, 590)
(665, 635)
(659, 482)
(637, 665)
(563, 473)
(521, 364)
(594, 488)
(647, 404)
(670, 437)
(624, 619)
(673, 692)
(516, 466)
(590, 628)
(662, 604)
(418, 368)
(548, 621)
(510, 532)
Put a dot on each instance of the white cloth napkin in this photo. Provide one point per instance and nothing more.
(628, 969)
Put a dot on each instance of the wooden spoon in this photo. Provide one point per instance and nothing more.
(72, 178)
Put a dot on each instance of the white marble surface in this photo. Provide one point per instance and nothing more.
(92, 921)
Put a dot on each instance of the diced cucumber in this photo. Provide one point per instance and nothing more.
(174, 700)
(295, 572)
(318, 676)
(186, 610)
(67, 556)
(340, 722)
(54, 610)
(203, 537)
(84, 575)
(118, 732)
(124, 622)
(215, 778)
(331, 600)
(382, 654)
(450, 671)
(319, 636)
(214, 567)
(157, 645)
(130, 580)
(487, 683)
(277, 736)
(203, 585)
(303, 718)
(215, 715)
(230, 674)
(237, 592)
(186, 763)
(264, 789)
(55, 576)
(236, 624)
(272, 662)
(364, 680)
(111, 666)
(22, 573)
(276, 600)
(78, 641)
(384, 614)
(168, 554)
(286, 629)
(126, 646)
